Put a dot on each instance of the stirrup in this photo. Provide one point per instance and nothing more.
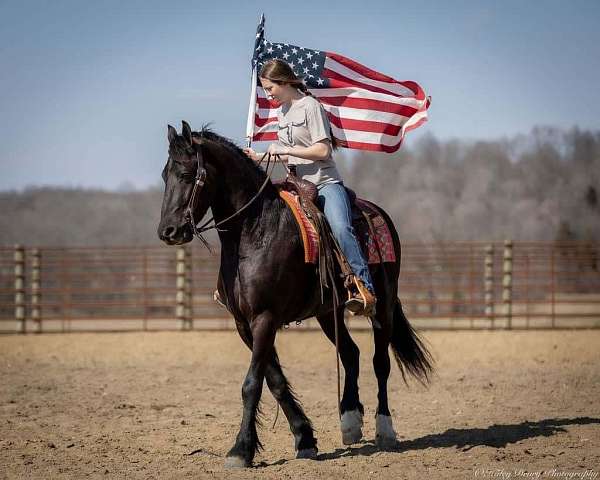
(361, 302)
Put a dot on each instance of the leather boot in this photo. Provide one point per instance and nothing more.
(360, 300)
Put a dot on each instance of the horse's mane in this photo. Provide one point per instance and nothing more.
(208, 134)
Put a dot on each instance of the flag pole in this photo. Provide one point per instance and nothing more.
(260, 33)
(251, 109)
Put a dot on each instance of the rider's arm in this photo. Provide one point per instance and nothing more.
(318, 151)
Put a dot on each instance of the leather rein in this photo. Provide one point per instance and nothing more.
(199, 182)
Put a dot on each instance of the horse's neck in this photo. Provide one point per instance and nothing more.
(238, 185)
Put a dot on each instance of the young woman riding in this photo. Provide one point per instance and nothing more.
(305, 141)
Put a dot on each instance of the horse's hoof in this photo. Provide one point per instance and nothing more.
(351, 424)
(236, 462)
(355, 436)
(385, 436)
(310, 453)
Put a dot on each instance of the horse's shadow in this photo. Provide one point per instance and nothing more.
(496, 436)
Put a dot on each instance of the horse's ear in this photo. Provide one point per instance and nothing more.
(186, 131)
(172, 134)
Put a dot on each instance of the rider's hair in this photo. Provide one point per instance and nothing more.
(280, 72)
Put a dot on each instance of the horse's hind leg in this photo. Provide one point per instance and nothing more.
(305, 442)
(350, 407)
(385, 435)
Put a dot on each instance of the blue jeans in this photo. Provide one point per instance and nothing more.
(333, 200)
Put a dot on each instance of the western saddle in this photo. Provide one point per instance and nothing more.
(360, 301)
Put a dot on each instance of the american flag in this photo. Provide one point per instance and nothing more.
(367, 110)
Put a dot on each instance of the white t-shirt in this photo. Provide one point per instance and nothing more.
(302, 124)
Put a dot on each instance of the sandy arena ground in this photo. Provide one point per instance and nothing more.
(161, 405)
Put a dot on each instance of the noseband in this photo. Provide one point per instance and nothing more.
(199, 182)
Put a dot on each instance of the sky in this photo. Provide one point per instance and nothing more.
(87, 89)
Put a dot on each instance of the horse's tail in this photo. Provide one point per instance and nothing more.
(409, 350)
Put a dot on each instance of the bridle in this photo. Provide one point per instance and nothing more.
(199, 182)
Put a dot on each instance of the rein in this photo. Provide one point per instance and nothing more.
(199, 184)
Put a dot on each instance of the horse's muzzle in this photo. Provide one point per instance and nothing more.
(173, 235)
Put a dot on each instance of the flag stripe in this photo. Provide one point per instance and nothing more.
(372, 74)
(265, 110)
(366, 137)
(376, 101)
(260, 122)
(334, 69)
(371, 105)
(336, 80)
(373, 147)
(347, 92)
(346, 123)
(265, 137)
(373, 121)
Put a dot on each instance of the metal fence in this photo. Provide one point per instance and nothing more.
(444, 285)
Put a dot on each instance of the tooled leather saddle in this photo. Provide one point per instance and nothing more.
(363, 218)
(307, 191)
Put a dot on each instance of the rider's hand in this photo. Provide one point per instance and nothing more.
(251, 153)
(276, 149)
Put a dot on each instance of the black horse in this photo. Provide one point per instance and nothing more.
(265, 283)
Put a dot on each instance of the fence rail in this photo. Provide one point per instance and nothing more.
(445, 285)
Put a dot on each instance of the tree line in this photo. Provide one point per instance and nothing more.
(539, 186)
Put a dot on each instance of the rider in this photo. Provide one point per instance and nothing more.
(306, 141)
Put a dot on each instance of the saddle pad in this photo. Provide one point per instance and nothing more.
(310, 237)
(365, 236)
(381, 235)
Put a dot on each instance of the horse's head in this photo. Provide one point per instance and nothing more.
(188, 191)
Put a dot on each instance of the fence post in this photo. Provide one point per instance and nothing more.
(527, 301)
(507, 281)
(489, 283)
(36, 289)
(553, 284)
(19, 270)
(471, 299)
(145, 285)
(65, 280)
(180, 284)
(189, 307)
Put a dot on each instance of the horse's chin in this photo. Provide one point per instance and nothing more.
(178, 242)
(184, 237)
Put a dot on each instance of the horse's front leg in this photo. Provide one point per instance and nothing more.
(247, 443)
(304, 439)
(301, 427)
